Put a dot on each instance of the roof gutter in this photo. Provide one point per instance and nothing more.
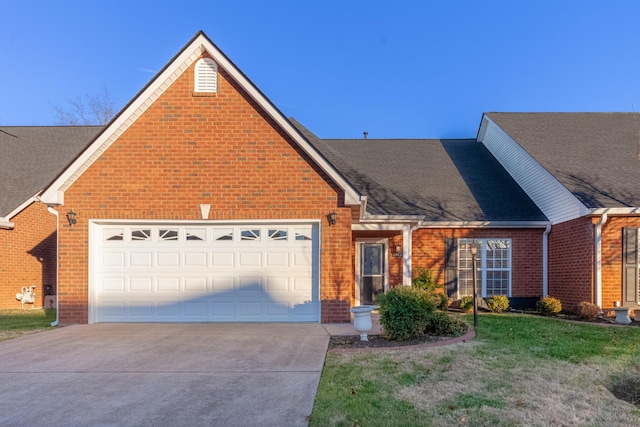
(598, 254)
(55, 212)
(545, 261)
(613, 211)
(6, 224)
(485, 224)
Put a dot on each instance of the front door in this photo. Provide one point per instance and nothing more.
(373, 271)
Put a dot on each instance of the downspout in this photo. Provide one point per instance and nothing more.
(545, 261)
(407, 243)
(598, 266)
(55, 212)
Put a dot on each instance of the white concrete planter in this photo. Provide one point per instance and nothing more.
(622, 315)
(362, 319)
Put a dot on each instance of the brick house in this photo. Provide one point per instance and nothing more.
(200, 201)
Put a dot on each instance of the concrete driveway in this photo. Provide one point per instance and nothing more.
(162, 375)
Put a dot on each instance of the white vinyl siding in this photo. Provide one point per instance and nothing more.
(553, 199)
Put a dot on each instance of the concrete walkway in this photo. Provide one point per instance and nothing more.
(163, 375)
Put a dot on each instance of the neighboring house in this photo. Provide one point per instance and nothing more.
(201, 202)
(582, 170)
(32, 156)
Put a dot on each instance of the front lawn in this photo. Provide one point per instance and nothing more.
(15, 323)
(520, 370)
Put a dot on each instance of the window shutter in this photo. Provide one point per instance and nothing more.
(450, 266)
(629, 266)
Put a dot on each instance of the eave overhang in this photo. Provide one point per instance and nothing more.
(199, 45)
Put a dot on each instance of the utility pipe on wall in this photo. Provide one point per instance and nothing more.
(599, 225)
(55, 212)
(545, 261)
(407, 244)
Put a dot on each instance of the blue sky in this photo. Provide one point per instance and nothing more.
(397, 69)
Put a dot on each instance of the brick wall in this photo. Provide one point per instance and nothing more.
(526, 254)
(612, 257)
(221, 150)
(571, 261)
(27, 255)
(428, 252)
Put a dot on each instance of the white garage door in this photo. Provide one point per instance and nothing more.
(204, 273)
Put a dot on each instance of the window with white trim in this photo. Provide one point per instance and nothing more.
(206, 76)
(493, 262)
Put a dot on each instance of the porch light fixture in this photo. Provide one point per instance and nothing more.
(71, 217)
(474, 251)
(398, 252)
(332, 217)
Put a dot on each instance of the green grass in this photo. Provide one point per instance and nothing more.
(14, 323)
(520, 370)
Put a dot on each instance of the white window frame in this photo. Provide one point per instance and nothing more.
(481, 264)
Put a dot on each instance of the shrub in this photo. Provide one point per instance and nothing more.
(440, 300)
(498, 303)
(549, 306)
(424, 280)
(440, 323)
(404, 311)
(587, 310)
(466, 303)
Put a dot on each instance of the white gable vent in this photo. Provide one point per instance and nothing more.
(206, 76)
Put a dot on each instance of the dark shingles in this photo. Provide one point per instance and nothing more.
(444, 180)
(594, 155)
(31, 157)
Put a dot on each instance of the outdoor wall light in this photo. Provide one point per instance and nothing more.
(398, 252)
(332, 217)
(71, 217)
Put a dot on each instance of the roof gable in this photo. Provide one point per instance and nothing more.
(198, 46)
(595, 156)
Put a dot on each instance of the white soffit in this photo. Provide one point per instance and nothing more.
(189, 54)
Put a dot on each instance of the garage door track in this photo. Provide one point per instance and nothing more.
(205, 374)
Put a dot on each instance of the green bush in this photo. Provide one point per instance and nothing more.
(404, 311)
(587, 310)
(424, 280)
(549, 306)
(440, 300)
(498, 303)
(440, 323)
(466, 303)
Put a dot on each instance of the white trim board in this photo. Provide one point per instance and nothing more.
(200, 44)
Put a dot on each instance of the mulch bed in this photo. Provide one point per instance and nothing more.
(379, 341)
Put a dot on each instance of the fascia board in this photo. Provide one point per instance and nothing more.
(484, 224)
(20, 208)
(352, 197)
(391, 218)
(6, 225)
(380, 226)
(614, 211)
(199, 45)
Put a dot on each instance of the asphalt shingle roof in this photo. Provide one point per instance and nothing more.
(596, 156)
(443, 179)
(31, 157)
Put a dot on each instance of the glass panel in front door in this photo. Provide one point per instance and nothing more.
(372, 272)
